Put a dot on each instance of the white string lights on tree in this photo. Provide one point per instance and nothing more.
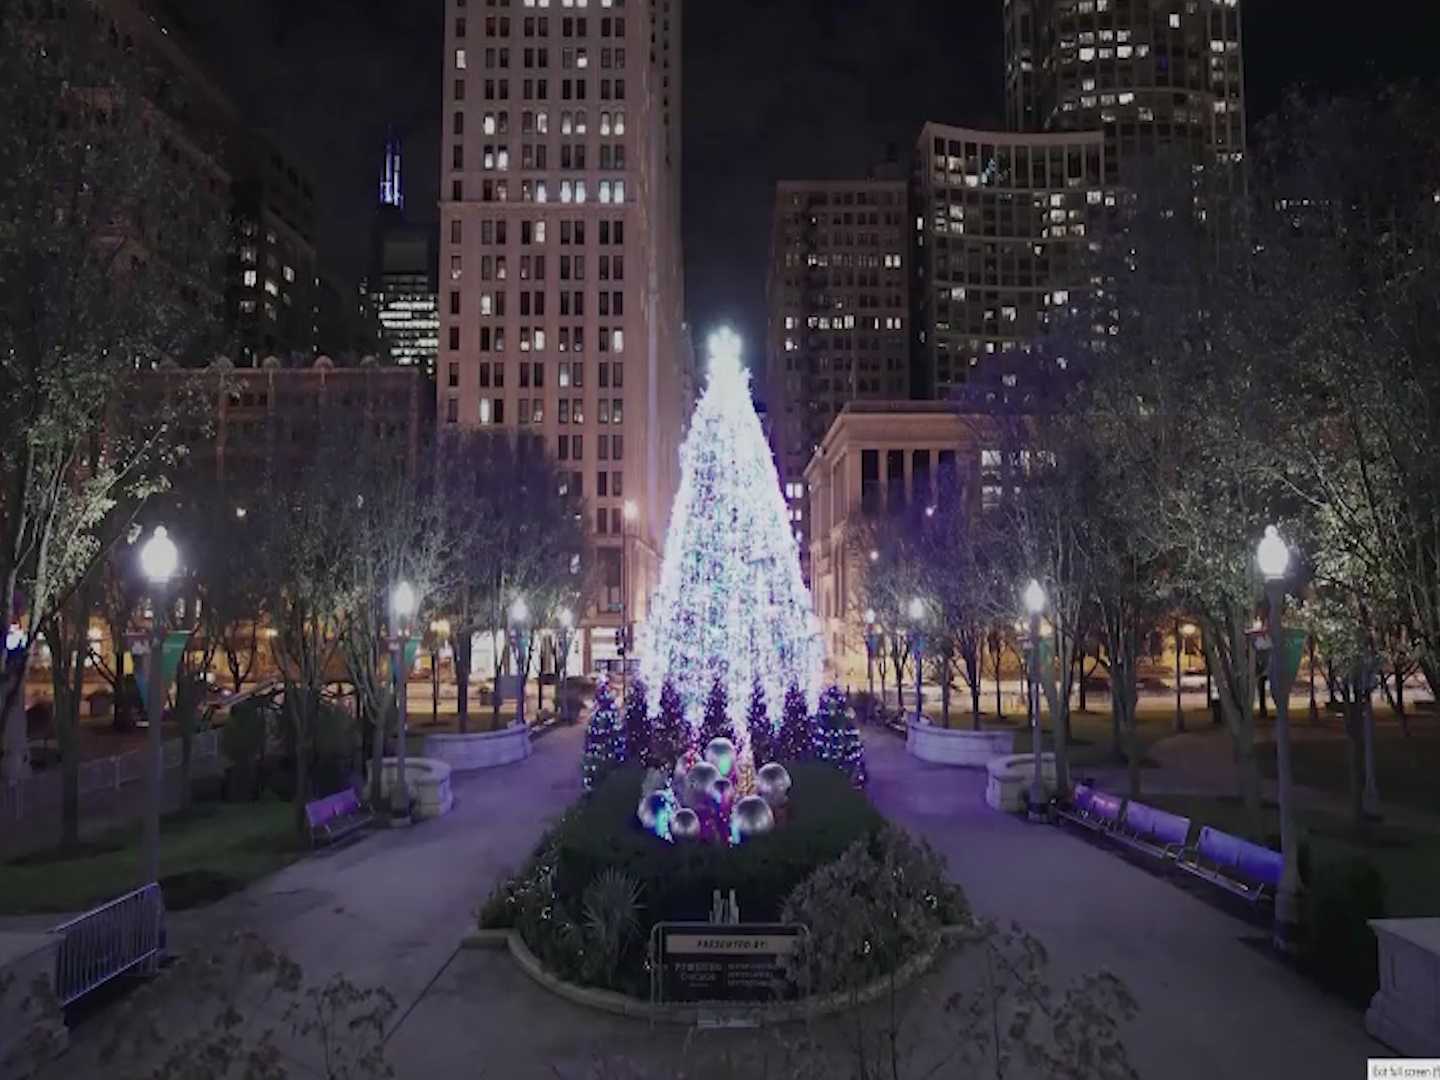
(732, 604)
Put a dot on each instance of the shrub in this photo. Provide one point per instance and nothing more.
(877, 906)
(1342, 896)
(611, 907)
(546, 901)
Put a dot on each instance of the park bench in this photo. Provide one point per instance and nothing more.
(1093, 810)
(335, 816)
(1153, 831)
(1238, 866)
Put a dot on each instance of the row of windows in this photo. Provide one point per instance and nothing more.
(569, 374)
(533, 339)
(539, 89)
(570, 58)
(572, 303)
(496, 156)
(608, 192)
(572, 231)
(537, 121)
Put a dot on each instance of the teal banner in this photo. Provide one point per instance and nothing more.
(1287, 662)
(171, 650)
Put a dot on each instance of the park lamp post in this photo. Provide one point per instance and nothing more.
(403, 644)
(562, 659)
(159, 560)
(520, 648)
(917, 646)
(439, 635)
(631, 513)
(1182, 632)
(872, 642)
(1273, 558)
(1035, 601)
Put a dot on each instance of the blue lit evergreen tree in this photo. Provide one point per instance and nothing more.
(604, 737)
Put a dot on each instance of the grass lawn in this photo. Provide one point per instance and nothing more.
(1090, 733)
(205, 852)
(1407, 771)
(1408, 860)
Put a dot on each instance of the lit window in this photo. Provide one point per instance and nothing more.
(250, 279)
(460, 59)
(618, 338)
(1175, 20)
(620, 122)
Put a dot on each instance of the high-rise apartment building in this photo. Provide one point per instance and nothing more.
(838, 315)
(1004, 226)
(560, 271)
(1148, 73)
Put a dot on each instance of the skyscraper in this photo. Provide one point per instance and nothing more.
(1004, 224)
(1148, 73)
(560, 267)
(402, 288)
(838, 315)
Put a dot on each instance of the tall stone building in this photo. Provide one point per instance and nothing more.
(1147, 73)
(838, 315)
(561, 290)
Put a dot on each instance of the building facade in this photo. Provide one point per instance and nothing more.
(838, 315)
(560, 270)
(1147, 73)
(876, 459)
(1005, 227)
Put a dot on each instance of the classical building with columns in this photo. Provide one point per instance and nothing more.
(878, 458)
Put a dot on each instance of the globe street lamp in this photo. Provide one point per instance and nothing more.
(439, 634)
(631, 513)
(1035, 605)
(562, 659)
(1272, 555)
(917, 646)
(159, 560)
(872, 642)
(520, 648)
(403, 605)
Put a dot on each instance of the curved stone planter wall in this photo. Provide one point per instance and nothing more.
(1009, 780)
(482, 750)
(428, 781)
(956, 746)
(779, 1013)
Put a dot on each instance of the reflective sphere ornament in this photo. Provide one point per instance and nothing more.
(722, 791)
(772, 783)
(720, 752)
(685, 825)
(698, 782)
(655, 808)
(751, 817)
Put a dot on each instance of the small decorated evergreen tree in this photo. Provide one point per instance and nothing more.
(763, 747)
(638, 729)
(716, 722)
(837, 739)
(604, 737)
(670, 734)
(796, 742)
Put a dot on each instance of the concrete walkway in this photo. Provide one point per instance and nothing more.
(1214, 1000)
(391, 910)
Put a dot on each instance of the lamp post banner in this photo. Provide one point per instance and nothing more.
(1287, 662)
(171, 649)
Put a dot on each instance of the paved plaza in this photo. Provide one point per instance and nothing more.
(393, 908)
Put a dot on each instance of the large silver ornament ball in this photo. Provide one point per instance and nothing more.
(698, 782)
(773, 783)
(752, 816)
(652, 807)
(722, 791)
(685, 825)
(720, 752)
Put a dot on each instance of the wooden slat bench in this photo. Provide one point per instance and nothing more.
(336, 816)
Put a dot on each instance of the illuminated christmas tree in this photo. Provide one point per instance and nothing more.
(637, 724)
(796, 741)
(715, 724)
(762, 733)
(837, 739)
(604, 737)
(732, 604)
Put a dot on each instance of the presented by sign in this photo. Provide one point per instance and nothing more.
(712, 962)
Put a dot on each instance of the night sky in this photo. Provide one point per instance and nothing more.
(773, 89)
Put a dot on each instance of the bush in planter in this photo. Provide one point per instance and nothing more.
(335, 745)
(1341, 897)
(879, 905)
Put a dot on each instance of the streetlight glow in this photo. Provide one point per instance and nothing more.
(1272, 555)
(929, 511)
(874, 555)
(869, 614)
(519, 610)
(566, 619)
(1034, 597)
(159, 558)
(403, 600)
(917, 609)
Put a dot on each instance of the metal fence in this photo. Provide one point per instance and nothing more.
(44, 791)
(125, 935)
